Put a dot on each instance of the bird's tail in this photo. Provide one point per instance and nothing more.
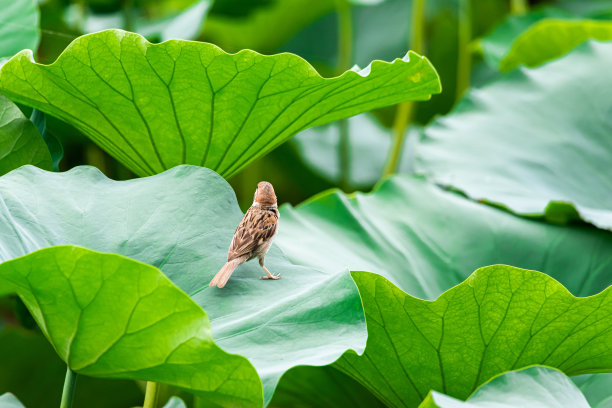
(224, 274)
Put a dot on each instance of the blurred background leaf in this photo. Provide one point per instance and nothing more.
(535, 141)
(19, 26)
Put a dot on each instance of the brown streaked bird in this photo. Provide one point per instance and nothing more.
(253, 236)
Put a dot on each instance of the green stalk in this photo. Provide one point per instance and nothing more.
(344, 154)
(405, 110)
(69, 386)
(345, 35)
(464, 35)
(151, 395)
(128, 15)
(345, 55)
(519, 7)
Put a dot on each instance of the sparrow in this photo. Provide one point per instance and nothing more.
(254, 235)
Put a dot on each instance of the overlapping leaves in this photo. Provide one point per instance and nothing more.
(182, 222)
(426, 240)
(157, 106)
(97, 309)
(501, 318)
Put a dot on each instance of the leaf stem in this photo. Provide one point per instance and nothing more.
(344, 154)
(464, 35)
(519, 7)
(69, 387)
(402, 117)
(128, 15)
(345, 35)
(151, 395)
(345, 56)
(405, 110)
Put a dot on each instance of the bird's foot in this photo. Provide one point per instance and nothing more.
(270, 276)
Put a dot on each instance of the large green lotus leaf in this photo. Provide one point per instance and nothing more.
(30, 369)
(501, 318)
(154, 106)
(553, 38)
(19, 26)
(426, 240)
(182, 221)
(530, 387)
(535, 141)
(109, 316)
(10, 401)
(20, 142)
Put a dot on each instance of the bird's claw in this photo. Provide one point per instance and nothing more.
(274, 277)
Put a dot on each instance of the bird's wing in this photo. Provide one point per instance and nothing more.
(257, 227)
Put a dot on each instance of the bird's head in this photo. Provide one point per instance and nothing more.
(264, 195)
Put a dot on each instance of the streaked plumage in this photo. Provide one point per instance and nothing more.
(254, 235)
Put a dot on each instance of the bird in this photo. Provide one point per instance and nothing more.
(253, 236)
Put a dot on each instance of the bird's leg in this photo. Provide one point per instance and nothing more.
(268, 274)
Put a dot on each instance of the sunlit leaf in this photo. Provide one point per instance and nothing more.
(501, 318)
(550, 39)
(156, 106)
(497, 44)
(109, 316)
